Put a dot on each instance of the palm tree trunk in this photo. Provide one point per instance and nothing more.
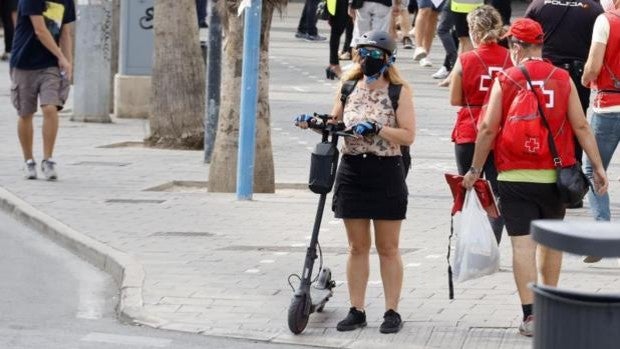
(178, 85)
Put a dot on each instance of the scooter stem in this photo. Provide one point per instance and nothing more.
(311, 255)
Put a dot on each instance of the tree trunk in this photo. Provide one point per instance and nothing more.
(223, 169)
(178, 86)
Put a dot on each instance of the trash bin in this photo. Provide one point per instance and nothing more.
(568, 319)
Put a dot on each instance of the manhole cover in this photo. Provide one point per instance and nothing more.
(330, 250)
(180, 187)
(101, 163)
(134, 201)
(182, 234)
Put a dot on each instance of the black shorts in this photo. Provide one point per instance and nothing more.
(460, 24)
(371, 187)
(524, 202)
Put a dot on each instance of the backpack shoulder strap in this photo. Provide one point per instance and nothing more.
(394, 93)
(346, 89)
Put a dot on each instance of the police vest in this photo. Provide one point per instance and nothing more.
(553, 87)
(608, 80)
(479, 70)
(465, 6)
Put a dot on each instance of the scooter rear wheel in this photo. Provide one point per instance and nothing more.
(298, 313)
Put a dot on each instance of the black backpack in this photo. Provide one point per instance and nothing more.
(394, 94)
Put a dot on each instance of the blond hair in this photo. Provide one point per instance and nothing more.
(485, 24)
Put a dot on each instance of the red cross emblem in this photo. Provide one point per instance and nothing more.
(532, 145)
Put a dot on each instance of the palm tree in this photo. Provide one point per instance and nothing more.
(223, 169)
(178, 85)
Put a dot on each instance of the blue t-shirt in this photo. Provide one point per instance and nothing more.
(28, 52)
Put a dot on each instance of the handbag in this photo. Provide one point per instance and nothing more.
(321, 11)
(572, 183)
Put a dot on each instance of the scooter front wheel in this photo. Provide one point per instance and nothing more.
(298, 313)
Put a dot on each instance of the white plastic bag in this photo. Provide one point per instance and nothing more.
(476, 252)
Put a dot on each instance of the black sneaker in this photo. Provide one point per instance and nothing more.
(354, 320)
(391, 322)
(300, 35)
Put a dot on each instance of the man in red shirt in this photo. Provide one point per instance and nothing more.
(527, 176)
(602, 73)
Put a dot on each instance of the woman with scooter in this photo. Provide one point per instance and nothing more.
(370, 182)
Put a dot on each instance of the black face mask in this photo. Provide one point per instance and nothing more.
(372, 66)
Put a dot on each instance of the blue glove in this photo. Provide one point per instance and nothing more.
(366, 128)
(303, 118)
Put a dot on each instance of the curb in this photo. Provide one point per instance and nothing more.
(129, 275)
(125, 270)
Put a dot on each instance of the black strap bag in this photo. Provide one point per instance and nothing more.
(572, 183)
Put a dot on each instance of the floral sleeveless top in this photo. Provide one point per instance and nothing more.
(362, 105)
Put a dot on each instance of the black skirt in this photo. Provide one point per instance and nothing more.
(370, 187)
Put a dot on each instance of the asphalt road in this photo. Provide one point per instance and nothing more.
(51, 299)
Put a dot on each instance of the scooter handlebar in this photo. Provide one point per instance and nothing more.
(322, 122)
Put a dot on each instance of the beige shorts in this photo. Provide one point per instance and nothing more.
(46, 85)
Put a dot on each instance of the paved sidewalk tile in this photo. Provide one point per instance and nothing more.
(216, 265)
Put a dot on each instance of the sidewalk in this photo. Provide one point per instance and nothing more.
(207, 263)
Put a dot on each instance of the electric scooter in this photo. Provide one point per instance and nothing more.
(311, 298)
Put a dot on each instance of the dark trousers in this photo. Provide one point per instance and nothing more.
(340, 23)
(7, 23)
(307, 22)
(445, 32)
(201, 11)
(464, 156)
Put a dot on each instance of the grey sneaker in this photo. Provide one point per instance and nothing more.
(316, 37)
(407, 43)
(527, 327)
(30, 169)
(49, 170)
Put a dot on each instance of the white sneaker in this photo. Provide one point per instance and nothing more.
(49, 170)
(30, 169)
(419, 53)
(527, 327)
(425, 62)
(442, 73)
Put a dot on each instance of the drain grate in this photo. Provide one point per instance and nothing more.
(134, 201)
(129, 144)
(330, 250)
(101, 163)
(182, 234)
(201, 186)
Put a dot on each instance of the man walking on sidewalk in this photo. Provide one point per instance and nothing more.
(602, 73)
(523, 155)
(41, 69)
(307, 23)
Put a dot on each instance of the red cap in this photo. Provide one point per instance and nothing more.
(526, 30)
